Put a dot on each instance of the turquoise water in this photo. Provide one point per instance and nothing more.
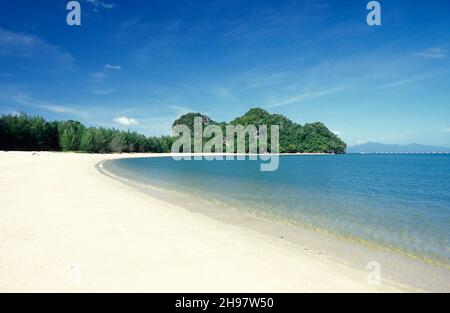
(400, 202)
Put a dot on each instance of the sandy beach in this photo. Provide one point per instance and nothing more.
(66, 227)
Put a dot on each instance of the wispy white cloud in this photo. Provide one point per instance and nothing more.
(130, 23)
(30, 46)
(59, 109)
(110, 67)
(264, 21)
(96, 80)
(406, 81)
(261, 77)
(432, 53)
(98, 3)
(180, 110)
(97, 77)
(25, 99)
(126, 121)
(306, 96)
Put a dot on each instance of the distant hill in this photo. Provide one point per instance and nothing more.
(294, 138)
(374, 147)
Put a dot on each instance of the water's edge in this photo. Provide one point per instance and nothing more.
(395, 267)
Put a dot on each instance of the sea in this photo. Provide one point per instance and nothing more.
(396, 203)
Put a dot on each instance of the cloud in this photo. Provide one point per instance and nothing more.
(262, 21)
(59, 109)
(130, 23)
(406, 81)
(98, 3)
(123, 120)
(179, 109)
(261, 77)
(109, 67)
(29, 46)
(306, 96)
(432, 53)
(96, 80)
(337, 133)
(97, 77)
(27, 100)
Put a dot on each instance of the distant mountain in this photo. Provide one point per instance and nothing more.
(374, 147)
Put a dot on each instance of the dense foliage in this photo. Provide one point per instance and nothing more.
(25, 133)
(311, 138)
(188, 120)
(21, 132)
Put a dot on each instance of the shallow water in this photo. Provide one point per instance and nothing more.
(399, 202)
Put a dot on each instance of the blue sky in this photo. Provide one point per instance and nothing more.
(139, 64)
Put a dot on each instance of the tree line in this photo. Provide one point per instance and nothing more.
(32, 133)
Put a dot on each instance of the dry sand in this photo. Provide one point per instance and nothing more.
(64, 226)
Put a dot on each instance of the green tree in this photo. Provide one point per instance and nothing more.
(87, 141)
(188, 120)
(165, 143)
(70, 134)
(314, 138)
(118, 143)
(153, 145)
(101, 142)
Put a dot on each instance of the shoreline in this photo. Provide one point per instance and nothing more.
(66, 227)
(400, 266)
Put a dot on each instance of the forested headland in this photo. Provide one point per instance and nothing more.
(293, 137)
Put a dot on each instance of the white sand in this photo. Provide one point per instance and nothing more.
(66, 227)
